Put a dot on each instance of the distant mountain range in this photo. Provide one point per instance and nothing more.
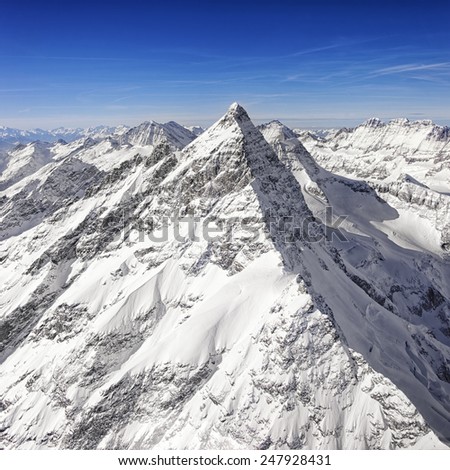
(9, 137)
(13, 136)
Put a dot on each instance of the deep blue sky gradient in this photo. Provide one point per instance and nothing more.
(309, 64)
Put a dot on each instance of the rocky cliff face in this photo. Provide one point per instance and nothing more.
(406, 163)
(376, 150)
(197, 298)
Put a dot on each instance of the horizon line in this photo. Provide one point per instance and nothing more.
(200, 122)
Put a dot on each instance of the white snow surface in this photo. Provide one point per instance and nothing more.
(376, 150)
(261, 338)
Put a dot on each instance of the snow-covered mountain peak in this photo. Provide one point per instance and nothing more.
(235, 107)
(236, 111)
(226, 152)
(154, 133)
(399, 121)
(292, 336)
(276, 131)
(373, 122)
(229, 128)
(381, 151)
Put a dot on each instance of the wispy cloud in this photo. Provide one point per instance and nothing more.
(440, 66)
(438, 79)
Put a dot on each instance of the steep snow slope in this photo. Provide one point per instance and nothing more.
(46, 191)
(275, 131)
(382, 151)
(395, 254)
(407, 164)
(140, 141)
(100, 149)
(112, 152)
(265, 335)
(23, 161)
(153, 133)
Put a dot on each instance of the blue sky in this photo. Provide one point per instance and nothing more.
(309, 64)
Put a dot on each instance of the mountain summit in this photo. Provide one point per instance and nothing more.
(202, 297)
(238, 112)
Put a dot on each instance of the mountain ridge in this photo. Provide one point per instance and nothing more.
(293, 332)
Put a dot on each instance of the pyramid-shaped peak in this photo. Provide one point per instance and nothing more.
(235, 107)
(238, 112)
